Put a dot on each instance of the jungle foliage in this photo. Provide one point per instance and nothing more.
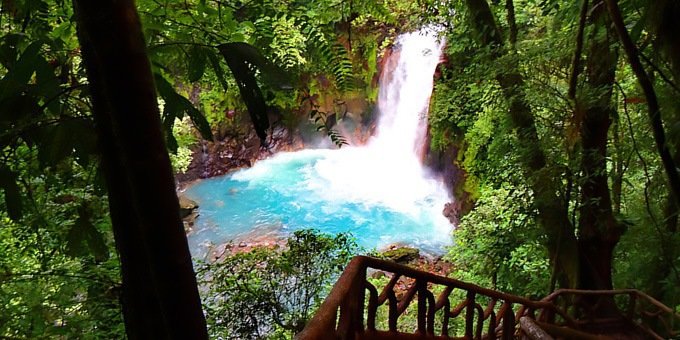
(560, 143)
(60, 271)
(273, 292)
(564, 116)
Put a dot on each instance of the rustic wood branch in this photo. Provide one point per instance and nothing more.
(532, 330)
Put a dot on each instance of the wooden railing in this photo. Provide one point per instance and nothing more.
(459, 310)
(591, 309)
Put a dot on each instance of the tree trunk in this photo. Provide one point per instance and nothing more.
(663, 25)
(160, 297)
(552, 209)
(599, 232)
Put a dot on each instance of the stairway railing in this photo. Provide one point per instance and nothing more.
(649, 315)
(353, 294)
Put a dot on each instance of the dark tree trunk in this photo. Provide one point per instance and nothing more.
(665, 14)
(599, 232)
(552, 209)
(160, 297)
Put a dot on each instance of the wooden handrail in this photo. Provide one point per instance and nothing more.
(668, 321)
(347, 296)
(324, 321)
(500, 316)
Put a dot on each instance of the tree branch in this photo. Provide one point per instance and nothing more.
(512, 23)
(576, 61)
(652, 101)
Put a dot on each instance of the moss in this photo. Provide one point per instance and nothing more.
(401, 254)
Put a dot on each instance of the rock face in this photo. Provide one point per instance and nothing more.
(210, 159)
(446, 163)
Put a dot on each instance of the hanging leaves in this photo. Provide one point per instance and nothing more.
(196, 63)
(176, 106)
(322, 125)
(8, 183)
(84, 238)
(244, 60)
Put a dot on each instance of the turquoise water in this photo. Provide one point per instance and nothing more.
(379, 192)
(289, 191)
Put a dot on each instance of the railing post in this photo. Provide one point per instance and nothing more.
(508, 322)
(352, 308)
(422, 305)
(632, 299)
(469, 314)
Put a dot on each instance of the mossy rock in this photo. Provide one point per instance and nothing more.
(401, 254)
(186, 206)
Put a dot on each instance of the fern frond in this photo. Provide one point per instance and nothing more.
(321, 121)
(376, 10)
(332, 56)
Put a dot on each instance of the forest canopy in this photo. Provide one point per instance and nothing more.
(560, 117)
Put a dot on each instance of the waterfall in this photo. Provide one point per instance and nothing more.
(380, 192)
(405, 90)
(388, 169)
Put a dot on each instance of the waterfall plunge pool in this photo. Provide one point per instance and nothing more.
(300, 190)
(378, 192)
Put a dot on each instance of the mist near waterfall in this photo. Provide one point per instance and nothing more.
(380, 192)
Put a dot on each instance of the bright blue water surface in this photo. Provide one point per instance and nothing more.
(379, 192)
(286, 193)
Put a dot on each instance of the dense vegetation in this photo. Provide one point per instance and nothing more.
(563, 115)
(561, 132)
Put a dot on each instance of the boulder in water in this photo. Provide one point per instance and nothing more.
(401, 254)
(186, 206)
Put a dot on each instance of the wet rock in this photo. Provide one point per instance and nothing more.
(451, 212)
(219, 251)
(401, 254)
(189, 221)
(186, 206)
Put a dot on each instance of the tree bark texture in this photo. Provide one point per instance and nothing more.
(599, 231)
(552, 209)
(663, 23)
(160, 296)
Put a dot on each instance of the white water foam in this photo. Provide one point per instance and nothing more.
(386, 174)
(388, 171)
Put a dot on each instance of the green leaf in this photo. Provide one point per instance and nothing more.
(240, 57)
(197, 118)
(54, 144)
(58, 141)
(84, 238)
(47, 84)
(9, 49)
(217, 68)
(176, 106)
(17, 106)
(249, 54)
(8, 182)
(170, 140)
(22, 71)
(196, 63)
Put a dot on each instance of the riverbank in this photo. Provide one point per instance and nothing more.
(211, 159)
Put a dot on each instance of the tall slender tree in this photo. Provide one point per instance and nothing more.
(599, 231)
(552, 210)
(581, 259)
(160, 297)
